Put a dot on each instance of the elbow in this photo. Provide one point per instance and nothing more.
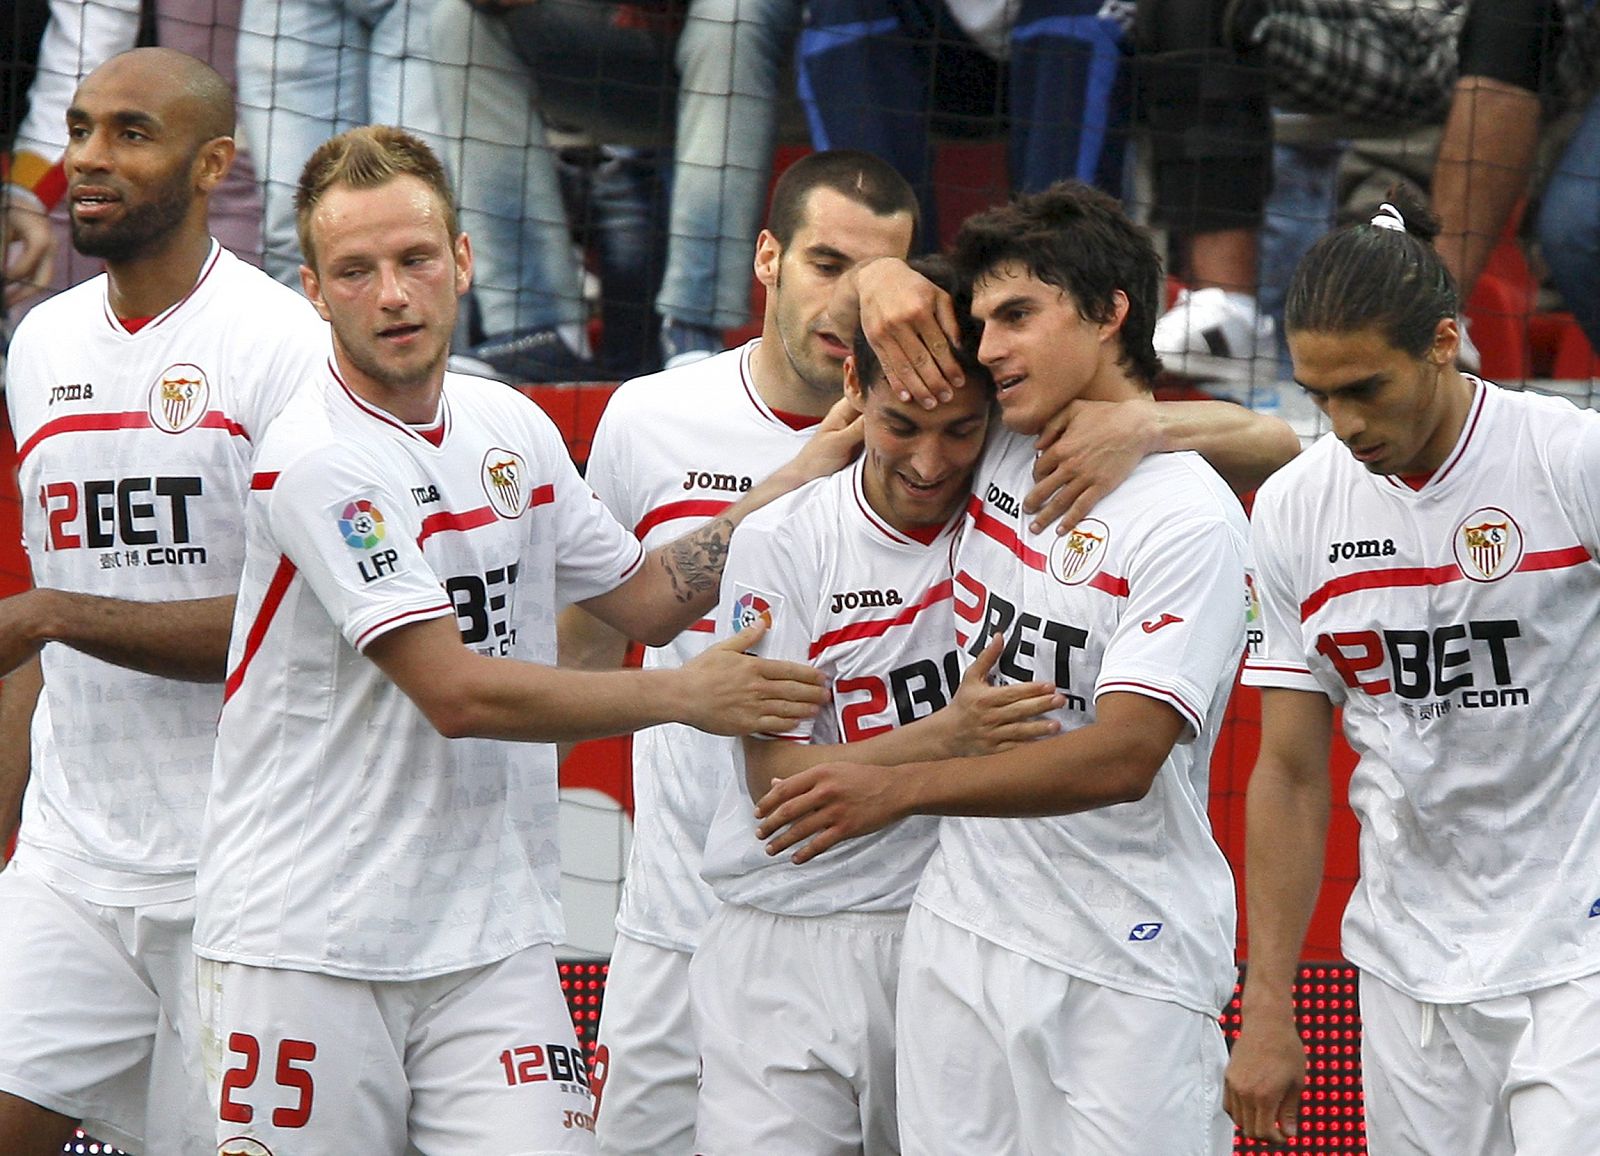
(661, 634)
(452, 715)
(1130, 780)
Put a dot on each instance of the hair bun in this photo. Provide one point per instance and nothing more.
(1388, 217)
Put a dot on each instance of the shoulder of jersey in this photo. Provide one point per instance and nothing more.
(1182, 482)
(666, 390)
(1318, 460)
(795, 511)
(67, 308)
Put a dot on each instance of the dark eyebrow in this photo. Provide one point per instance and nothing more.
(1369, 382)
(124, 118)
(827, 253)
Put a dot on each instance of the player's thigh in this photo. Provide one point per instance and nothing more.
(77, 1016)
(955, 1093)
(647, 1066)
(300, 1062)
(177, 1112)
(795, 1018)
(1422, 1094)
(1115, 1072)
(1554, 1072)
(494, 1064)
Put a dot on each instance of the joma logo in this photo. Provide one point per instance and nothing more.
(1362, 548)
(865, 600)
(728, 483)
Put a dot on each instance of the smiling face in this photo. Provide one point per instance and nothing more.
(835, 235)
(388, 278)
(1041, 349)
(918, 462)
(137, 161)
(1396, 413)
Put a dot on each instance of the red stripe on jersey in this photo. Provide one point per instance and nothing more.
(1132, 687)
(101, 422)
(438, 610)
(1407, 576)
(450, 520)
(1275, 668)
(688, 508)
(875, 627)
(992, 527)
(704, 626)
(1110, 583)
(276, 589)
(542, 495)
(264, 481)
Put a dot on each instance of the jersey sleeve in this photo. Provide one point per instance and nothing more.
(1276, 657)
(595, 553)
(354, 540)
(768, 577)
(1181, 633)
(608, 471)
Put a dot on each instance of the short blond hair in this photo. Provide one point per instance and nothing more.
(365, 158)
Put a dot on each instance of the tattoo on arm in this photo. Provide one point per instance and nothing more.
(694, 562)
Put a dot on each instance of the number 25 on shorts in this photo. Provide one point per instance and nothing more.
(242, 1076)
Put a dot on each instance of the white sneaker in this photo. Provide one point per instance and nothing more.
(1210, 335)
(1467, 356)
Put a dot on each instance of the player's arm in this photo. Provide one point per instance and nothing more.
(980, 719)
(465, 694)
(186, 640)
(19, 692)
(678, 582)
(1091, 447)
(1114, 759)
(1286, 830)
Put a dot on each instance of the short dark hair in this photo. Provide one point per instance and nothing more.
(1367, 276)
(936, 268)
(1078, 239)
(860, 176)
(366, 158)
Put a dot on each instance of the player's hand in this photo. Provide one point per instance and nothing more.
(1086, 451)
(28, 250)
(1266, 1075)
(832, 446)
(827, 804)
(729, 692)
(986, 719)
(19, 640)
(911, 324)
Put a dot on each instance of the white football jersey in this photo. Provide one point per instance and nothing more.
(1457, 627)
(870, 608)
(1145, 595)
(134, 455)
(672, 451)
(344, 834)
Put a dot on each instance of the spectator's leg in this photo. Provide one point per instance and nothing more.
(1569, 224)
(865, 72)
(526, 277)
(302, 78)
(627, 203)
(1069, 96)
(730, 56)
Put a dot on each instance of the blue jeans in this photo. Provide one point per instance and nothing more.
(729, 57)
(309, 69)
(1569, 223)
(885, 75)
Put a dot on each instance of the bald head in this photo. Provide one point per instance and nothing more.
(187, 93)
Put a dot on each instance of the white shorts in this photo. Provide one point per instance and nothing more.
(1002, 1055)
(97, 1015)
(796, 1023)
(483, 1062)
(646, 1065)
(1518, 1074)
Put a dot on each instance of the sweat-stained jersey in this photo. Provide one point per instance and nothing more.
(134, 455)
(870, 608)
(1457, 627)
(344, 834)
(672, 451)
(1147, 596)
